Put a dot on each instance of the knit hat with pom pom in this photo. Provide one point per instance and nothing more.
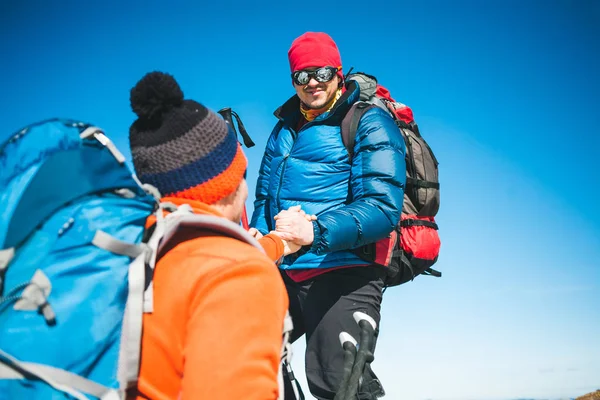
(181, 147)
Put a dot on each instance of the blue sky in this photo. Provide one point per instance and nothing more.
(505, 92)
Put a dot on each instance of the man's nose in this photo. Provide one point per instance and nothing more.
(312, 82)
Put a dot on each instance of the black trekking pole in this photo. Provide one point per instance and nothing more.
(364, 355)
(349, 345)
(291, 383)
(227, 114)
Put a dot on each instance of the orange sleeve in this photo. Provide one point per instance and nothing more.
(272, 245)
(234, 333)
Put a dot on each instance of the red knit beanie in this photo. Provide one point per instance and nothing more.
(314, 49)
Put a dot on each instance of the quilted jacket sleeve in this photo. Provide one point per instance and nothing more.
(259, 219)
(376, 185)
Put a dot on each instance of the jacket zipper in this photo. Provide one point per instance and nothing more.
(281, 181)
(284, 162)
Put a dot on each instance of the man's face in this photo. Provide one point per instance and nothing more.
(315, 95)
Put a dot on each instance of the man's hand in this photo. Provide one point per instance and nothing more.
(294, 225)
(255, 233)
(299, 210)
(288, 247)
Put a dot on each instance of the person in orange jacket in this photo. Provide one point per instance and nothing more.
(219, 303)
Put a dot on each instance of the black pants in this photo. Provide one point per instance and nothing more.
(321, 308)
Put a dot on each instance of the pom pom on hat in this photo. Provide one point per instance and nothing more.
(155, 94)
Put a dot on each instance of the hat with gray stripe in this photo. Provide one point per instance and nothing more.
(179, 146)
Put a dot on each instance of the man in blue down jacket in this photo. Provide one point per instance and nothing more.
(356, 202)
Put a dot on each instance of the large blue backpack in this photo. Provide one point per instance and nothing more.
(75, 265)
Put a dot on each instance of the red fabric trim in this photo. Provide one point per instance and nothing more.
(402, 111)
(245, 219)
(384, 249)
(384, 93)
(301, 275)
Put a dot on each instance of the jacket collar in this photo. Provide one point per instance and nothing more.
(289, 112)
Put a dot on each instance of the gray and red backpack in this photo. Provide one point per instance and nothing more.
(413, 247)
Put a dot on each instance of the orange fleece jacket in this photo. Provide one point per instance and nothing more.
(216, 329)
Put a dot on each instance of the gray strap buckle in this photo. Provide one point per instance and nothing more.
(102, 138)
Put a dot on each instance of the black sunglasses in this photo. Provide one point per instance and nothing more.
(323, 74)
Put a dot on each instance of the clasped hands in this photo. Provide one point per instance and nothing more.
(294, 227)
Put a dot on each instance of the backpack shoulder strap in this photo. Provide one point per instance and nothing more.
(350, 123)
(165, 230)
(185, 218)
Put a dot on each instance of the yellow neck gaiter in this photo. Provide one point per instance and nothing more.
(310, 114)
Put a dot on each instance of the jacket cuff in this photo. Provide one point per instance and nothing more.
(316, 244)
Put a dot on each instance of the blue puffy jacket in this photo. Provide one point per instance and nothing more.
(356, 202)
